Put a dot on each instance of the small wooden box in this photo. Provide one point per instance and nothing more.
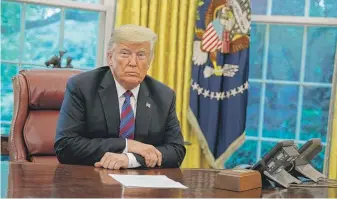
(238, 180)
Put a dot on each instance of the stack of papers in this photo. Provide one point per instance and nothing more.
(148, 181)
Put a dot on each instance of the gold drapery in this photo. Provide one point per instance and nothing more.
(333, 150)
(333, 143)
(333, 126)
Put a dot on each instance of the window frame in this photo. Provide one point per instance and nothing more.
(106, 9)
(304, 21)
(106, 24)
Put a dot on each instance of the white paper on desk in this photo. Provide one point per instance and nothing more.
(148, 181)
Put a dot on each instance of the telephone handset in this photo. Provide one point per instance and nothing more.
(302, 166)
(273, 164)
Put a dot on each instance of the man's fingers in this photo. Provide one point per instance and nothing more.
(148, 159)
(106, 163)
(151, 160)
(98, 164)
(118, 165)
(159, 157)
(112, 164)
(154, 159)
(151, 155)
(146, 156)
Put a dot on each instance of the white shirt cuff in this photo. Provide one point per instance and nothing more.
(126, 146)
(133, 163)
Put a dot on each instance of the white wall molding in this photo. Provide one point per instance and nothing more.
(295, 20)
(67, 4)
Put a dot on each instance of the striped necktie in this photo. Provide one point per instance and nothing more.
(127, 125)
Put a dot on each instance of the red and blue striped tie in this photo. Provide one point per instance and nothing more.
(127, 125)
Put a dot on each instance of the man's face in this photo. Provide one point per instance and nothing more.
(130, 63)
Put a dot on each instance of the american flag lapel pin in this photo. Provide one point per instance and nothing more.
(148, 105)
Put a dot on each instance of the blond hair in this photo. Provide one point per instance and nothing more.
(132, 33)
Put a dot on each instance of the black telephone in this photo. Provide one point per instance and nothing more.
(285, 160)
(273, 164)
(302, 166)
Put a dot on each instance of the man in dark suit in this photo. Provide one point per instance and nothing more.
(117, 116)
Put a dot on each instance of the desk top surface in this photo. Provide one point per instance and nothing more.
(72, 181)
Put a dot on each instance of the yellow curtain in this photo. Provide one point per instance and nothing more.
(173, 21)
(333, 141)
(333, 150)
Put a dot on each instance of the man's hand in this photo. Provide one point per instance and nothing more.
(114, 161)
(152, 156)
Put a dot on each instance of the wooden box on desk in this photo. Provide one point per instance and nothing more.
(238, 180)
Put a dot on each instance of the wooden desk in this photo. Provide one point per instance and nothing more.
(58, 181)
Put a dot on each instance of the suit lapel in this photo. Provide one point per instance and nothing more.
(109, 99)
(143, 114)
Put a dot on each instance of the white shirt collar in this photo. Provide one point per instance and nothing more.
(121, 90)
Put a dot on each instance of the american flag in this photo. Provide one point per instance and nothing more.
(219, 103)
(210, 40)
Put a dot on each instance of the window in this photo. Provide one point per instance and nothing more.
(291, 66)
(34, 31)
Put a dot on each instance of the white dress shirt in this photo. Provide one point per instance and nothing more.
(133, 163)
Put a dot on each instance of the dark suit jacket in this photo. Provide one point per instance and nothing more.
(88, 125)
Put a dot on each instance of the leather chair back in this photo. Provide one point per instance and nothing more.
(38, 96)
